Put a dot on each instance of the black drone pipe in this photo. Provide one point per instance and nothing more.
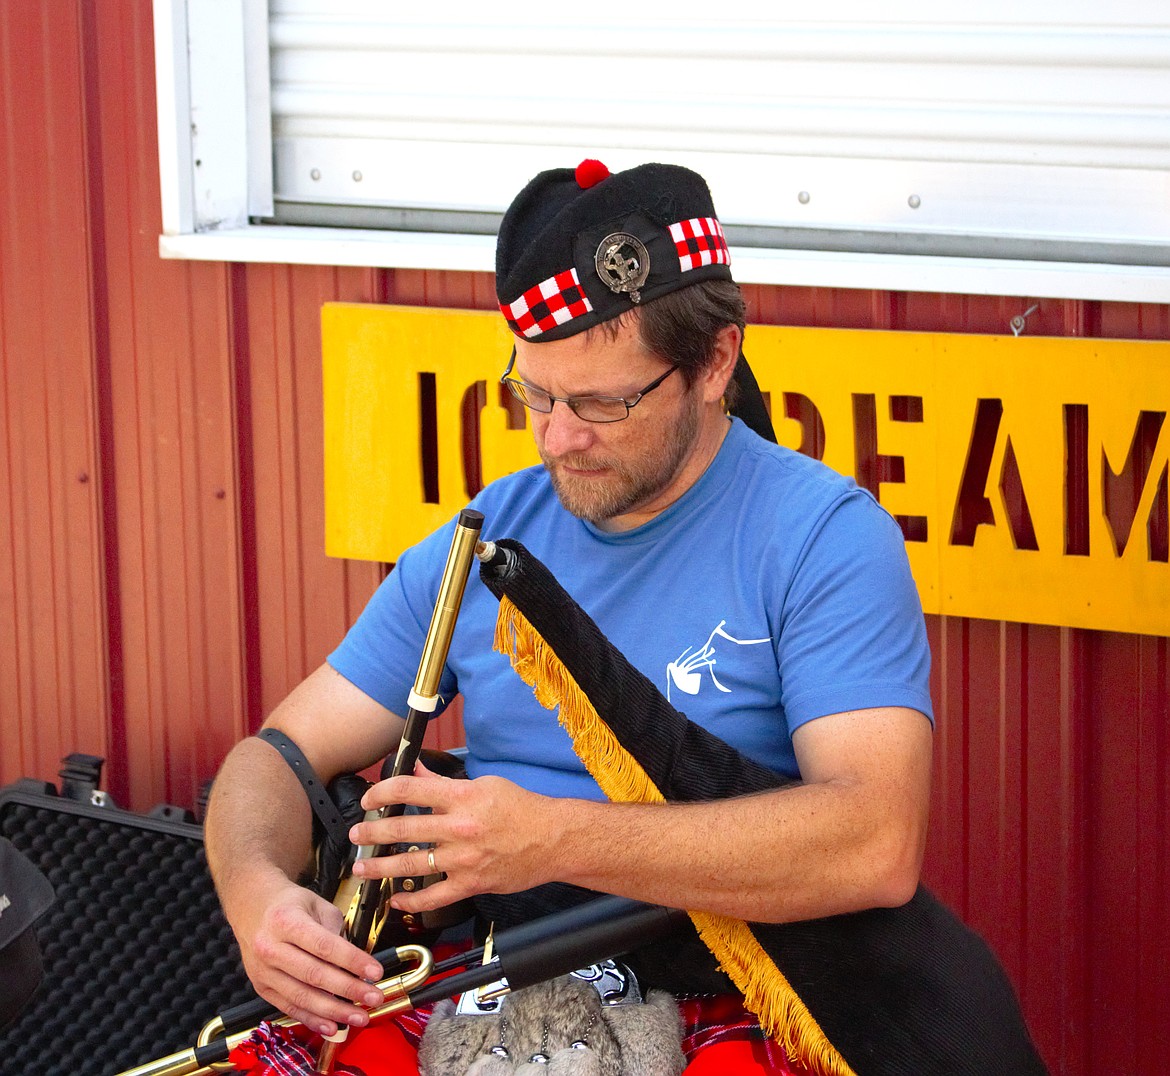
(558, 944)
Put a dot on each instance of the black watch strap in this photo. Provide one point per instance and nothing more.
(319, 799)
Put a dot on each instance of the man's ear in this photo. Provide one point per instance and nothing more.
(718, 372)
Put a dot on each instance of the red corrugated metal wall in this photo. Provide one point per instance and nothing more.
(162, 580)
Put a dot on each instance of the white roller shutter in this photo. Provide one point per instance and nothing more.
(1036, 130)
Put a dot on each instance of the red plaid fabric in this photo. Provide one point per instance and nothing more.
(720, 1038)
(699, 241)
(711, 1021)
(413, 1023)
(546, 305)
(274, 1051)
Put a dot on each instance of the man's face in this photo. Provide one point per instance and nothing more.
(603, 471)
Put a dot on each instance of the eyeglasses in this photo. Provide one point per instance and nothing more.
(587, 408)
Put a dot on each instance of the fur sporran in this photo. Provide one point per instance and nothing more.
(557, 1028)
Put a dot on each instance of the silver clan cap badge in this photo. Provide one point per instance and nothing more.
(623, 263)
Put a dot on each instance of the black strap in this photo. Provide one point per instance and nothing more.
(319, 799)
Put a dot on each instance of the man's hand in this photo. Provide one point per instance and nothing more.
(297, 960)
(490, 836)
(257, 835)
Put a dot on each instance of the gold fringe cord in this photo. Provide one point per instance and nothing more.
(766, 991)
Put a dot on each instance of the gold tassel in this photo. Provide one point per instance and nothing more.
(766, 991)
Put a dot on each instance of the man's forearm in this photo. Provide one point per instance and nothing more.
(780, 856)
(851, 836)
(259, 825)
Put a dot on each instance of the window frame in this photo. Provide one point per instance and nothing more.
(216, 178)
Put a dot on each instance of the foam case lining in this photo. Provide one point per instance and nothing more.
(137, 953)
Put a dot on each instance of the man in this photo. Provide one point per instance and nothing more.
(768, 597)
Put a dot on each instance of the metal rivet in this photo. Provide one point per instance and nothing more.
(914, 201)
(408, 920)
(220, 494)
(803, 197)
(413, 848)
(408, 884)
(83, 477)
(357, 177)
(315, 173)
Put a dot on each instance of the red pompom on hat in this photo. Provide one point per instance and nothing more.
(589, 173)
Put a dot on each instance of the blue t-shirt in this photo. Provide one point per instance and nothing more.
(773, 592)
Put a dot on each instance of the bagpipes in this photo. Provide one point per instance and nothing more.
(513, 958)
(884, 992)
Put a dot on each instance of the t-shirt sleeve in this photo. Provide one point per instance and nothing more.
(852, 633)
(381, 652)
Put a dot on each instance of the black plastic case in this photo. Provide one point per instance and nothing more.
(137, 953)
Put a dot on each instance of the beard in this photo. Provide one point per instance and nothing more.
(622, 485)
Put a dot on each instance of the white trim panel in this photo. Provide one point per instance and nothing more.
(962, 276)
(1019, 119)
(174, 116)
(215, 138)
(258, 108)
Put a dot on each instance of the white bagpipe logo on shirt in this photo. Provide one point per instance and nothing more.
(686, 671)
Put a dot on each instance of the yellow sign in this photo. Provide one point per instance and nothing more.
(1029, 474)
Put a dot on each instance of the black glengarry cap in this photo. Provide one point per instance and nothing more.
(581, 246)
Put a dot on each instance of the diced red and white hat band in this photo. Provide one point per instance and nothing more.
(546, 305)
(699, 241)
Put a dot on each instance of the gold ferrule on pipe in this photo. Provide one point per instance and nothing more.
(184, 1062)
(438, 641)
(400, 1004)
(211, 1031)
(395, 988)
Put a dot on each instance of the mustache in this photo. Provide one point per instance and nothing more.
(580, 463)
